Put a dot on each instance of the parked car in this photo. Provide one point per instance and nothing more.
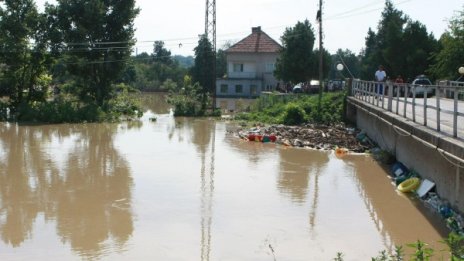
(335, 85)
(314, 86)
(421, 85)
(297, 88)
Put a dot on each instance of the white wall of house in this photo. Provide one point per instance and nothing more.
(255, 71)
(238, 88)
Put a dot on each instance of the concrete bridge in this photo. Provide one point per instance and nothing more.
(425, 134)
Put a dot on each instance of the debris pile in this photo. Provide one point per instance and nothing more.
(409, 181)
(321, 137)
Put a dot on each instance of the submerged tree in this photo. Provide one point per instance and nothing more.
(97, 37)
(202, 71)
(23, 45)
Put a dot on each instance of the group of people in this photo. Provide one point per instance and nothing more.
(381, 76)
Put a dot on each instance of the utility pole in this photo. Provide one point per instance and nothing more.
(210, 33)
(321, 54)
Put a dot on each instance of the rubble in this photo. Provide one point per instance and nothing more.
(321, 137)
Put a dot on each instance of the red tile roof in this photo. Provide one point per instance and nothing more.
(257, 42)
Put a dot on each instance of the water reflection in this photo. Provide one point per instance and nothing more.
(69, 173)
(234, 105)
(255, 152)
(155, 103)
(296, 167)
(199, 192)
(399, 219)
(204, 139)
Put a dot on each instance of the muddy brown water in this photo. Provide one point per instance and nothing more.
(186, 189)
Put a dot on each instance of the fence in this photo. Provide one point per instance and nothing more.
(442, 111)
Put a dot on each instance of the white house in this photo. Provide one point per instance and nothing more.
(250, 67)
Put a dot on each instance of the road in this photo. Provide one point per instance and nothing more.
(446, 112)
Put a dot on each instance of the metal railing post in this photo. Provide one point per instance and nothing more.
(425, 106)
(413, 104)
(437, 94)
(390, 95)
(406, 94)
(455, 114)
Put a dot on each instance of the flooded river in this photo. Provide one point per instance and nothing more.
(186, 189)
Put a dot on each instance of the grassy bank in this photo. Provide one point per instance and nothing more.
(296, 109)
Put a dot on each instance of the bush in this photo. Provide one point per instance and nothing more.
(293, 115)
(61, 110)
(274, 109)
(3, 111)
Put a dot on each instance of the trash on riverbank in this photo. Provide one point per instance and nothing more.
(321, 137)
(425, 191)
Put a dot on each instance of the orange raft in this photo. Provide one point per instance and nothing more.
(261, 138)
(341, 152)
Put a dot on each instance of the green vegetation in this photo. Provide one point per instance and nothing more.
(296, 109)
(298, 62)
(190, 100)
(451, 54)
(64, 109)
(405, 47)
(83, 49)
(422, 252)
(63, 65)
(150, 72)
(402, 45)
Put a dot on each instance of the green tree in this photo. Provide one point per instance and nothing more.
(349, 60)
(23, 44)
(221, 60)
(221, 63)
(403, 46)
(202, 70)
(420, 46)
(97, 37)
(296, 62)
(389, 37)
(451, 54)
(370, 56)
(326, 63)
(161, 54)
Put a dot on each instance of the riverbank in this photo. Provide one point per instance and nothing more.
(315, 136)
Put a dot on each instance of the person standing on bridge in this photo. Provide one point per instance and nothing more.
(380, 76)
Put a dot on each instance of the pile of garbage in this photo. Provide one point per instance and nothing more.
(321, 137)
(343, 139)
(409, 181)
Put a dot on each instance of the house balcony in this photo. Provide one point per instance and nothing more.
(242, 75)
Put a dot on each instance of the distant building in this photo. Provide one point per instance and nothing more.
(250, 67)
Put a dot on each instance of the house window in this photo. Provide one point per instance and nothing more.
(238, 67)
(238, 88)
(253, 89)
(270, 67)
(224, 88)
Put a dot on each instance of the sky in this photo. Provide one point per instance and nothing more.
(345, 22)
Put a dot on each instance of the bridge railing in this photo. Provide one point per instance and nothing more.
(443, 111)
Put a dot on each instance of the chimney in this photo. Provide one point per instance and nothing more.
(256, 29)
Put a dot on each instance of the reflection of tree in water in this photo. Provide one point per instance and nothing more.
(155, 102)
(19, 206)
(256, 152)
(296, 165)
(90, 199)
(393, 218)
(179, 125)
(202, 136)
